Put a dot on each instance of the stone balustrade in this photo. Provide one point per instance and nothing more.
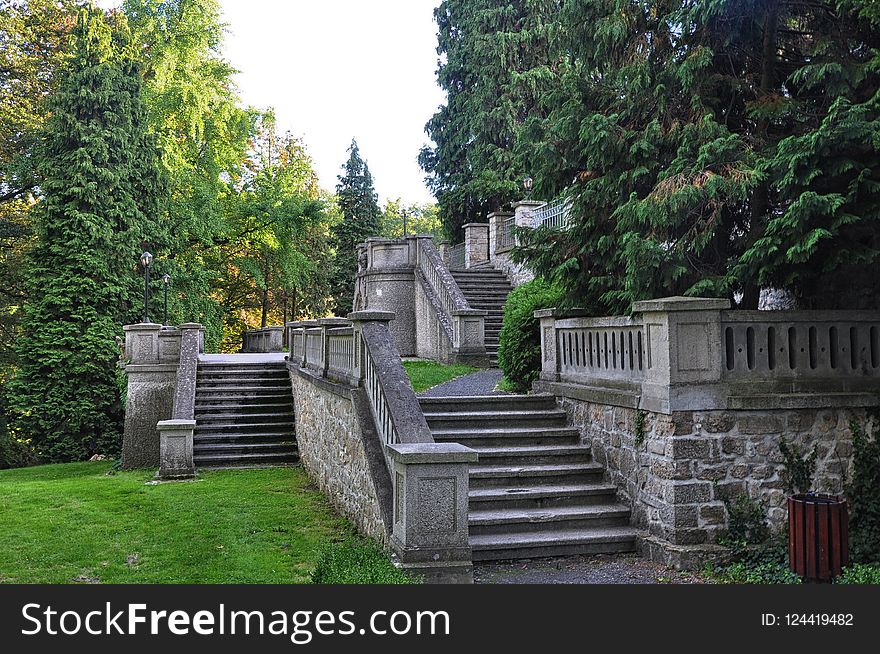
(355, 363)
(267, 339)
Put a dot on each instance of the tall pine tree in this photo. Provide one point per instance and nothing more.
(102, 196)
(361, 219)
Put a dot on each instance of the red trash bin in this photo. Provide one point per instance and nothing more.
(818, 536)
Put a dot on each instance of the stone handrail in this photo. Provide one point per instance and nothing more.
(694, 354)
(176, 434)
(440, 279)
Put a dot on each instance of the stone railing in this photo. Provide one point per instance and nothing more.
(159, 363)
(361, 354)
(267, 339)
(692, 354)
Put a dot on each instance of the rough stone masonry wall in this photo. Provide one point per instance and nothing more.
(332, 450)
(676, 478)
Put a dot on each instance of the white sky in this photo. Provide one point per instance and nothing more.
(337, 69)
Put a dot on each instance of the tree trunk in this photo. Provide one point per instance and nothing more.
(265, 304)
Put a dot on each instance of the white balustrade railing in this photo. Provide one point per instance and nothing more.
(555, 214)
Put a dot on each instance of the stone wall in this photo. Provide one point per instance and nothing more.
(675, 479)
(339, 455)
(516, 274)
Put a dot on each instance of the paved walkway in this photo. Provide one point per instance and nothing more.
(595, 569)
(476, 383)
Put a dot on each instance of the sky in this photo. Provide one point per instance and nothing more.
(334, 70)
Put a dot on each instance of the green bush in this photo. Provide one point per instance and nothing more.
(13, 452)
(863, 495)
(860, 574)
(519, 347)
(746, 520)
(356, 561)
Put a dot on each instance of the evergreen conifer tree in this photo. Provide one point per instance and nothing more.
(361, 219)
(101, 206)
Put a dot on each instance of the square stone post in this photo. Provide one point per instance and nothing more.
(176, 449)
(444, 252)
(549, 359)
(522, 212)
(430, 509)
(476, 244)
(684, 347)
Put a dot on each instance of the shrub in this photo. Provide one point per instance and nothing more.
(863, 495)
(356, 561)
(13, 452)
(860, 574)
(519, 347)
(746, 520)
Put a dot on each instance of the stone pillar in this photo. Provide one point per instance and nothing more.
(176, 449)
(476, 244)
(389, 285)
(151, 360)
(444, 252)
(430, 509)
(469, 337)
(522, 212)
(684, 353)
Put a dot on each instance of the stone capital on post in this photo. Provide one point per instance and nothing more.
(142, 343)
(430, 509)
(683, 343)
(176, 449)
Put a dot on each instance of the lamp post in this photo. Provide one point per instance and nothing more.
(528, 183)
(146, 260)
(403, 213)
(166, 279)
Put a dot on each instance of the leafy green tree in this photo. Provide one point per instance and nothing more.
(359, 220)
(204, 136)
(33, 48)
(715, 148)
(102, 206)
(420, 219)
(493, 59)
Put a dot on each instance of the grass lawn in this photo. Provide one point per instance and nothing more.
(426, 374)
(74, 523)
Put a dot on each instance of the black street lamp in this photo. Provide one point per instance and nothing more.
(146, 260)
(166, 279)
(528, 183)
(403, 213)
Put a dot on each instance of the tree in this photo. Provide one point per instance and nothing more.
(33, 48)
(360, 217)
(715, 148)
(493, 56)
(420, 219)
(102, 206)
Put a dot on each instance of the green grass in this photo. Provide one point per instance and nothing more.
(357, 561)
(74, 522)
(427, 374)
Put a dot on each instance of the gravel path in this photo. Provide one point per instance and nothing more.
(476, 383)
(592, 569)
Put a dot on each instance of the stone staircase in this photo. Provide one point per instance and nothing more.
(486, 288)
(244, 415)
(536, 491)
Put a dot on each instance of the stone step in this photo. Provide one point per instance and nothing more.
(237, 406)
(235, 418)
(546, 418)
(204, 391)
(485, 475)
(253, 427)
(246, 382)
(524, 455)
(244, 460)
(487, 403)
(232, 438)
(537, 497)
(239, 372)
(267, 435)
(552, 519)
(506, 436)
(273, 366)
(208, 448)
(563, 542)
